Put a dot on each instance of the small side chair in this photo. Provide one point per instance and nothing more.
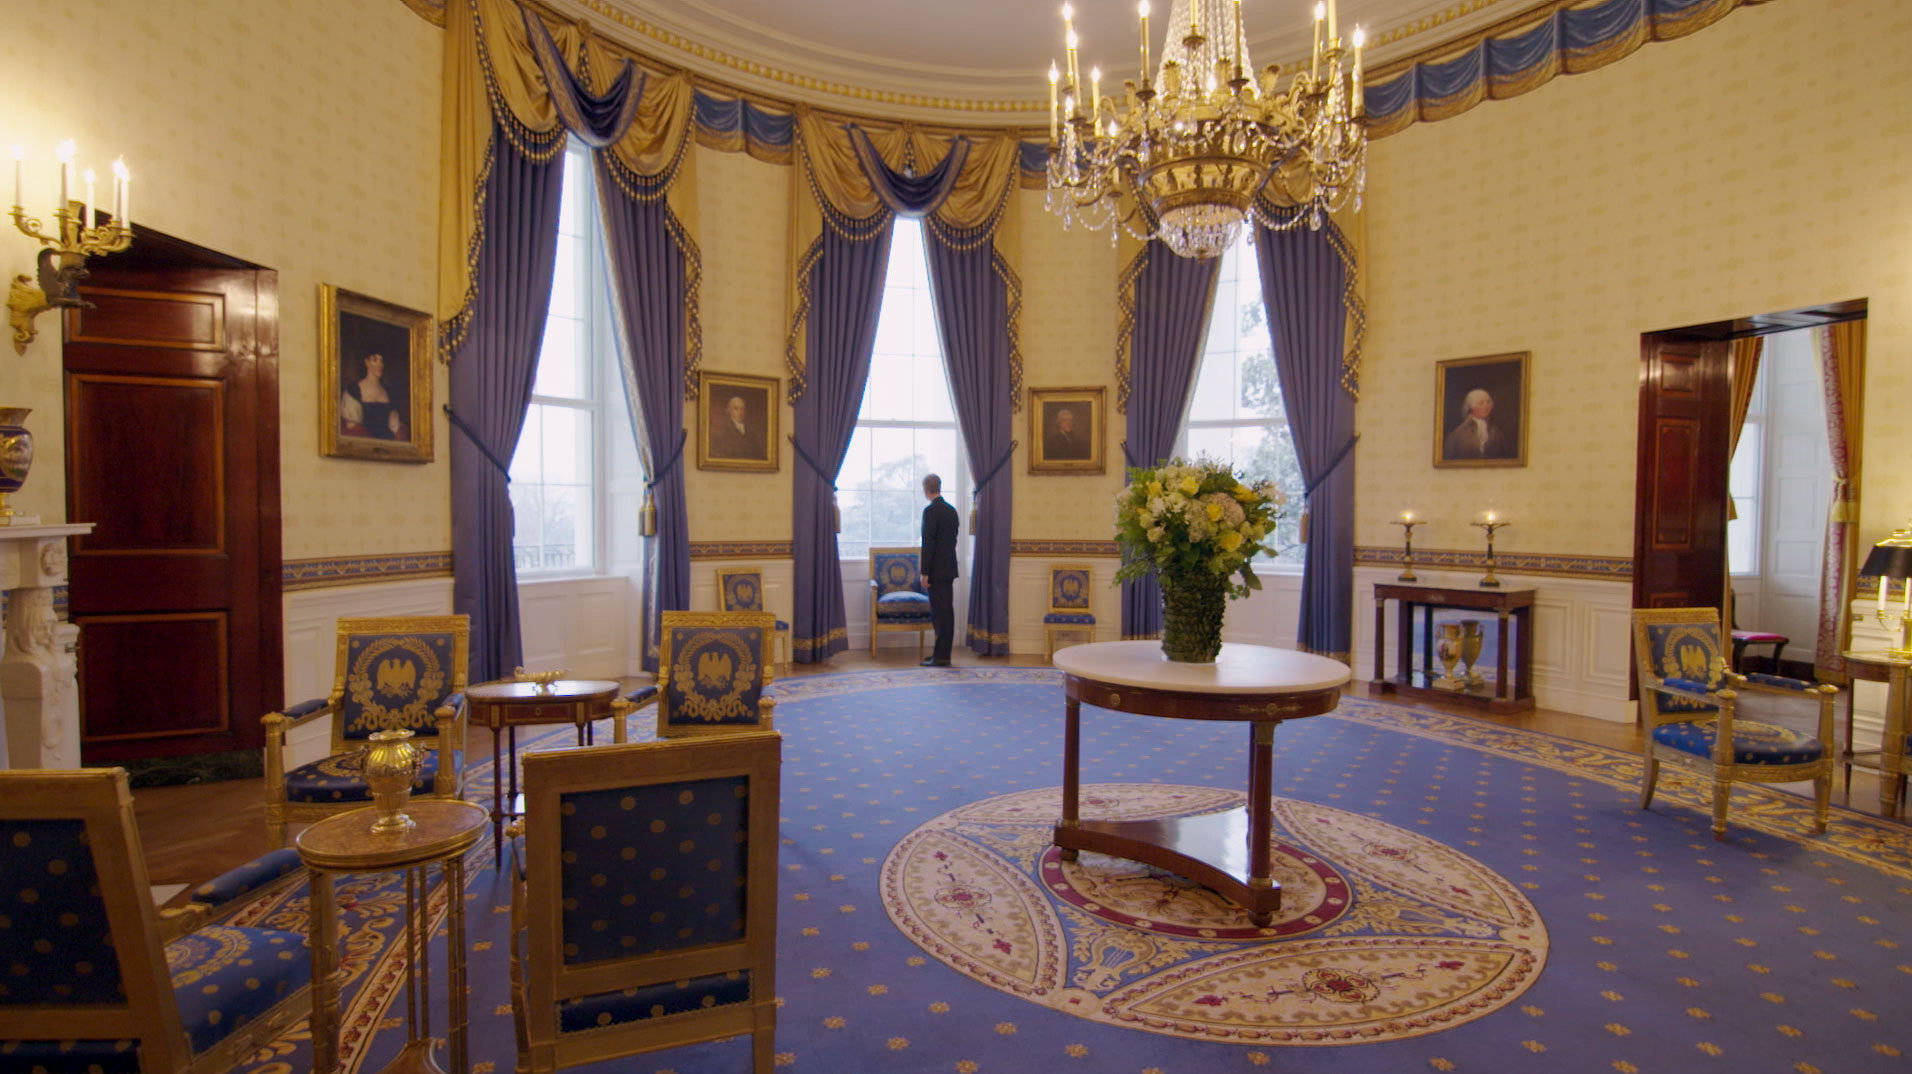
(898, 600)
(1071, 616)
(713, 677)
(390, 672)
(1691, 704)
(95, 983)
(740, 589)
(685, 831)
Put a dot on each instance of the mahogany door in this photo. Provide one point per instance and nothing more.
(1679, 531)
(172, 419)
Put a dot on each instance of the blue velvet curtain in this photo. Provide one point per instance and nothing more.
(1172, 299)
(972, 315)
(647, 265)
(846, 289)
(970, 289)
(491, 374)
(1302, 280)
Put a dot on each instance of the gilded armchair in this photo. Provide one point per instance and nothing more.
(898, 600)
(713, 673)
(390, 672)
(1691, 705)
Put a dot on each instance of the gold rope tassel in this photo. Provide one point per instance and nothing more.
(647, 517)
(1301, 528)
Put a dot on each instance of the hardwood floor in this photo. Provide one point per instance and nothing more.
(195, 832)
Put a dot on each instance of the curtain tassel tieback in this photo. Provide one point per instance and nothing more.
(647, 515)
(987, 478)
(836, 515)
(1301, 526)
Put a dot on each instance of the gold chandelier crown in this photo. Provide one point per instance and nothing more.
(1192, 156)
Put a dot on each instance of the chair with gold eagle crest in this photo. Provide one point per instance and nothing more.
(740, 589)
(714, 673)
(898, 600)
(685, 830)
(1691, 706)
(390, 673)
(99, 979)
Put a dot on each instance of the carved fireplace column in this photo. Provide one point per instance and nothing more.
(39, 694)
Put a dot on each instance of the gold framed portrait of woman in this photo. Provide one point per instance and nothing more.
(375, 378)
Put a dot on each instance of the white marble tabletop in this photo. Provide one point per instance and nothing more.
(1239, 669)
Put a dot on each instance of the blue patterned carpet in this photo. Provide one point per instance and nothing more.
(1655, 949)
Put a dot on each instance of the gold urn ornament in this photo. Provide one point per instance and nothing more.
(389, 767)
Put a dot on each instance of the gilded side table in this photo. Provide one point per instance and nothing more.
(505, 706)
(442, 831)
(1227, 852)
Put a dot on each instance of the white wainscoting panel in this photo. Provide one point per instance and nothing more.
(1581, 642)
(1268, 616)
(577, 623)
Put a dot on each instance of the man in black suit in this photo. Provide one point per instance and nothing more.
(938, 562)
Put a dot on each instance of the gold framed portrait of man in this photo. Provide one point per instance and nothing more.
(375, 378)
(1480, 411)
(737, 422)
(1067, 430)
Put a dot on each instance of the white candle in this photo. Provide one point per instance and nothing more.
(1095, 96)
(1314, 68)
(86, 207)
(123, 180)
(1907, 589)
(1882, 585)
(1075, 70)
(1142, 9)
(1360, 39)
(1237, 38)
(19, 156)
(1490, 516)
(1332, 21)
(1053, 77)
(65, 153)
(1407, 516)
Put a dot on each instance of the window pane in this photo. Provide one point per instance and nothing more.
(527, 466)
(896, 517)
(1742, 484)
(563, 362)
(568, 527)
(894, 455)
(568, 454)
(526, 511)
(932, 401)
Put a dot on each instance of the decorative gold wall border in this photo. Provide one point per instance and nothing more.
(1604, 568)
(1105, 549)
(741, 550)
(330, 571)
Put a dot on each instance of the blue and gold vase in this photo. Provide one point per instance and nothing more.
(16, 455)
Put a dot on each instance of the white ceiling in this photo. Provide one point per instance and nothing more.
(979, 61)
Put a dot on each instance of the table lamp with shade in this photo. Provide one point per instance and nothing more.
(1892, 558)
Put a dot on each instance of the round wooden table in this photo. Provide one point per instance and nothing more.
(506, 706)
(1227, 851)
(442, 830)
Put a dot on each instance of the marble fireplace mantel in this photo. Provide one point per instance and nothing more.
(39, 693)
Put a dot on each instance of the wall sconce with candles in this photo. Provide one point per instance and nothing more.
(1892, 558)
(1490, 523)
(74, 239)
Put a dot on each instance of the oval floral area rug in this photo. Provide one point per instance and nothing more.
(1382, 934)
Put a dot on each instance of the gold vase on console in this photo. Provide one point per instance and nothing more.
(1447, 648)
(390, 765)
(1471, 638)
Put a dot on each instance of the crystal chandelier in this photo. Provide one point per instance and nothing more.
(1185, 157)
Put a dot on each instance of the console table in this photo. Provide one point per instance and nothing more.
(1227, 852)
(1513, 687)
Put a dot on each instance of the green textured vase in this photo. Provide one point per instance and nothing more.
(1192, 609)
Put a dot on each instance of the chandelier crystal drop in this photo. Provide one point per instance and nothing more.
(1185, 157)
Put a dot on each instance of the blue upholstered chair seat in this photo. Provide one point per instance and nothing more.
(247, 878)
(337, 779)
(1081, 618)
(781, 625)
(903, 606)
(1753, 742)
(643, 695)
(655, 1001)
(225, 976)
(70, 1056)
(1781, 681)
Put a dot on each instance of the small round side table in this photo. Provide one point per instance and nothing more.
(442, 831)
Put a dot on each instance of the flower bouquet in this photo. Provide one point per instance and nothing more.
(1197, 525)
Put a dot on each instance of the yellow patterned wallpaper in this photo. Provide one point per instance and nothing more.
(1763, 164)
(743, 207)
(302, 137)
(1068, 340)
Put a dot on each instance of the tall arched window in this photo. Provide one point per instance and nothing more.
(1235, 413)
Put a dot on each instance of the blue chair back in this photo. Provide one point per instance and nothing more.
(395, 673)
(1682, 644)
(740, 590)
(1069, 589)
(57, 943)
(896, 572)
(714, 669)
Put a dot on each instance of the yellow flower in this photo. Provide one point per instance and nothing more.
(1141, 514)
(1214, 511)
(1155, 489)
(1243, 493)
(1229, 540)
(1190, 486)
